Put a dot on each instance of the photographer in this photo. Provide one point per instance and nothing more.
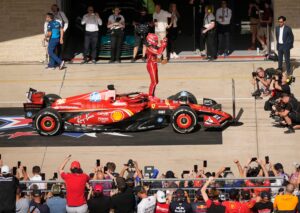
(132, 170)
(290, 113)
(116, 24)
(141, 26)
(279, 85)
(262, 79)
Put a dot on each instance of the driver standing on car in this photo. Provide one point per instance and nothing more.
(116, 24)
(153, 50)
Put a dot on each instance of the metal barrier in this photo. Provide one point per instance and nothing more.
(190, 190)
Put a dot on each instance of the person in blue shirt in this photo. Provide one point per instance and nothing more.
(56, 203)
(55, 37)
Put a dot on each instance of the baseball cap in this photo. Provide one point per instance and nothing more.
(56, 189)
(98, 188)
(5, 170)
(161, 197)
(75, 164)
(265, 194)
(36, 193)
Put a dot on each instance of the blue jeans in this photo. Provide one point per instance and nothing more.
(54, 60)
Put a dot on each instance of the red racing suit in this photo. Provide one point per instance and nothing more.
(152, 53)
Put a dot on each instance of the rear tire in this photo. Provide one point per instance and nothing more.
(48, 122)
(50, 99)
(184, 120)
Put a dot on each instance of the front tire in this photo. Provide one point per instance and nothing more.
(184, 120)
(48, 122)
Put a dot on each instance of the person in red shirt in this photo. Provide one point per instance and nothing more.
(153, 50)
(247, 203)
(233, 205)
(75, 187)
(161, 205)
(259, 183)
(213, 205)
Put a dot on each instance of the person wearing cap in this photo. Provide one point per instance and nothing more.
(291, 113)
(287, 202)
(124, 200)
(75, 186)
(36, 204)
(179, 202)
(199, 205)
(98, 203)
(8, 189)
(56, 203)
(147, 203)
(263, 203)
(247, 202)
(162, 206)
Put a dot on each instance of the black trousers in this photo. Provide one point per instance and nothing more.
(172, 36)
(200, 38)
(211, 43)
(116, 44)
(286, 53)
(223, 38)
(90, 44)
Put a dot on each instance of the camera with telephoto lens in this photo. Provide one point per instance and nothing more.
(254, 74)
(130, 163)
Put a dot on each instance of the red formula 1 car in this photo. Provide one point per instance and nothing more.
(107, 111)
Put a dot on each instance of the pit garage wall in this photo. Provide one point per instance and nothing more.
(21, 27)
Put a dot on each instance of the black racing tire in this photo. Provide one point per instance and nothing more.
(48, 122)
(191, 98)
(184, 120)
(50, 99)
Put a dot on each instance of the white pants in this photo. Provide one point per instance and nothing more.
(161, 36)
(77, 209)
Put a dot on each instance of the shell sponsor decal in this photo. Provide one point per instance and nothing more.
(153, 106)
(117, 115)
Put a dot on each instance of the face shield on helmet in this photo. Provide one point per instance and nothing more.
(152, 39)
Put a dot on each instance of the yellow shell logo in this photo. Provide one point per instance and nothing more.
(117, 116)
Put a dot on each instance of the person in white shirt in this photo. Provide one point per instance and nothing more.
(148, 203)
(60, 16)
(160, 18)
(223, 16)
(36, 171)
(116, 24)
(91, 20)
(173, 30)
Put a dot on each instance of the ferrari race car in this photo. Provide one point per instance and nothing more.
(106, 110)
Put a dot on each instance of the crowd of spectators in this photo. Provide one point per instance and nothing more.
(105, 190)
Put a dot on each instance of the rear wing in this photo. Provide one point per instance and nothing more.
(35, 102)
